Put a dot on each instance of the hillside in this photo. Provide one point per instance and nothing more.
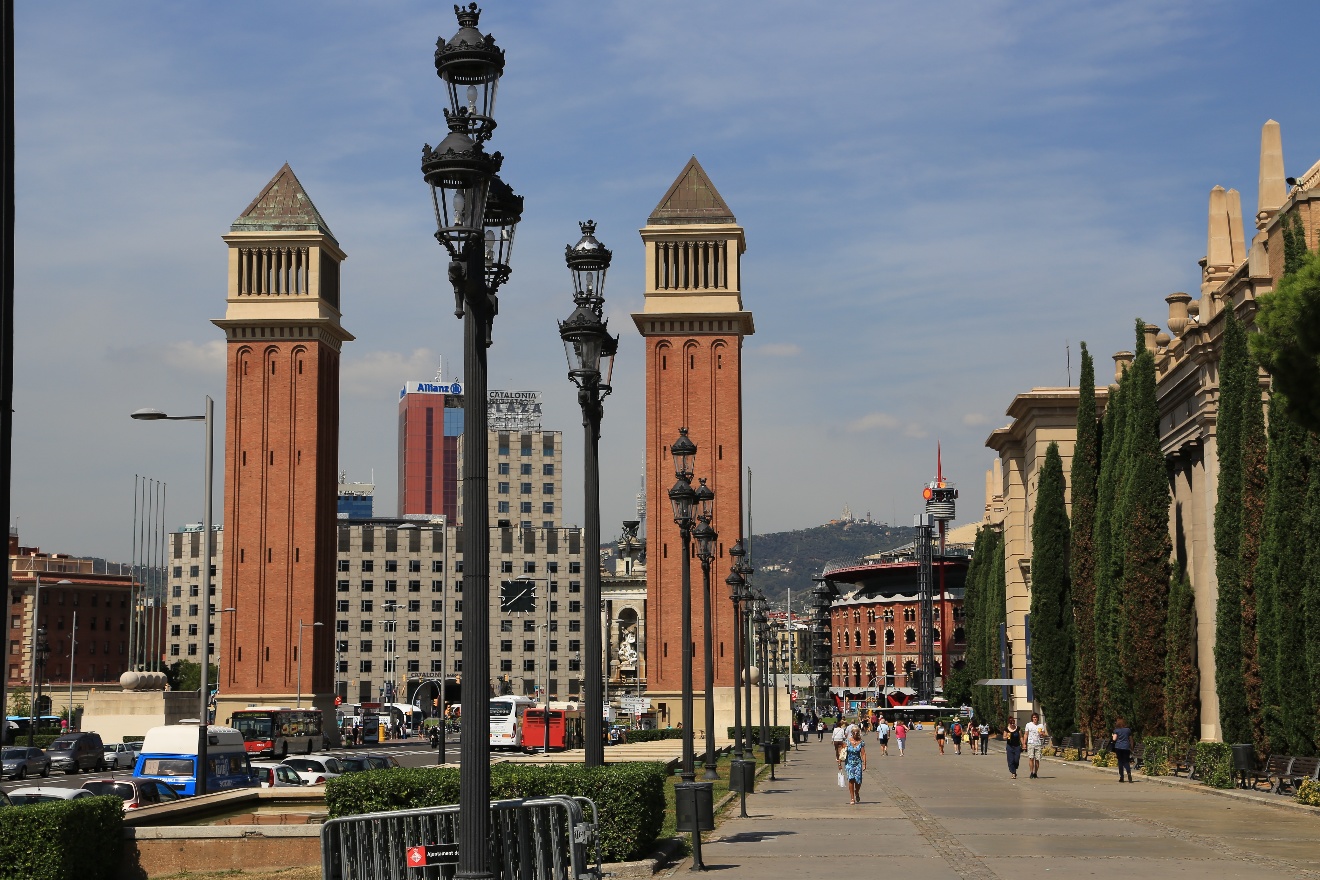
(789, 560)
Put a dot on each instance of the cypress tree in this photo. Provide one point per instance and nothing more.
(998, 594)
(1310, 654)
(981, 662)
(1085, 474)
(1146, 550)
(1182, 676)
(1229, 684)
(1052, 647)
(1251, 524)
(1296, 699)
(1108, 671)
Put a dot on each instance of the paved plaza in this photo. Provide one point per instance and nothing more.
(924, 816)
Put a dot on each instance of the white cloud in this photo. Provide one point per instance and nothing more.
(876, 421)
(974, 420)
(779, 349)
(372, 373)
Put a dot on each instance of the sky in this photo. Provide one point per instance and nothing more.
(941, 201)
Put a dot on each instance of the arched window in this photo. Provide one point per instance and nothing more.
(857, 675)
(845, 639)
(935, 634)
(960, 635)
(857, 638)
(889, 637)
(910, 636)
(870, 638)
(908, 667)
(937, 667)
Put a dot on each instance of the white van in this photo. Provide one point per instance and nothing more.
(169, 753)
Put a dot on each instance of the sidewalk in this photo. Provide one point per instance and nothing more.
(927, 815)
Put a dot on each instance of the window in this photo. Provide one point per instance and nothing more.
(574, 607)
(502, 487)
(575, 568)
(414, 565)
(574, 645)
(343, 565)
(529, 626)
(506, 665)
(341, 626)
(575, 626)
(342, 666)
(414, 626)
(529, 665)
(506, 644)
(910, 636)
(368, 565)
(554, 607)
(547, 470)
(365, 646)
(367, 606)
(529, 645)
(524, 507)
(575, 586)
(458, 606)
(870, 638)
(177, 592)
(178, 571)
(414, 666)
(364, 626)
(529, 566)
(364, 666)
(574, 664)
(192, 629)
(341, 586)
(524, 488)
(547, 507)
(525, 469)
(414, 605)
(458, 626)
(437, 605)
(342, 606)
(414, 645)
(341, 645)
(194, 570)
(174, 650)
(552, 566)
(437, 626)
(504, 466)
(458, 649)
(547, 488)
(391, 586)
(506, 566)
(192, 649)
(437, 666)
(192, 610)
(174, 629)
(502, 507)
(506, 626)
(889, 637)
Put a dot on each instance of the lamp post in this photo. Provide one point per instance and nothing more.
(37, 628)
(683, 499)
(743, 570)
(301, 627)
(706, 538)
(737, 773)
(476, 216)
(590, 351)
(208, 538)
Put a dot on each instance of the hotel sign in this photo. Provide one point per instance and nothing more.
(514, 410)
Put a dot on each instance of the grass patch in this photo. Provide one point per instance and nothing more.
(720, 786)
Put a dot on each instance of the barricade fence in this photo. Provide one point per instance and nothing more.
(550, 838)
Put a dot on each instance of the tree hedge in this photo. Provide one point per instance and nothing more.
(1052, 648)
(1109, 558)
(1288, 344)
(1251, 522)
(80, 839)
(1084, 475)
(1182, 674)
(630, 797)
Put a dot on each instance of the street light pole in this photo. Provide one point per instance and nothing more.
(476, 216)
(706, 539)
(590, 351)
(736, 768)
(208, 539)
(301, 627)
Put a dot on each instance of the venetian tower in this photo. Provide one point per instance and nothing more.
(693, 322)
(281, 452)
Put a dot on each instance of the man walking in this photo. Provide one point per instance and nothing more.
(1036, 734)
(882, 731)
(984, 732)
(957, 737)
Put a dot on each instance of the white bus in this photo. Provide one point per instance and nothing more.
(506, 721)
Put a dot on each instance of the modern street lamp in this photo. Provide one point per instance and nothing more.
(683, 500)
(208, 539)
(706, 538)
(737, 772)
(38, 636)
(476, 215)
(301, 627)
(590, 351)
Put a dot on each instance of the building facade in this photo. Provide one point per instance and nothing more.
(283, 333)
(693, 323)
(185, 607)
(430, 425)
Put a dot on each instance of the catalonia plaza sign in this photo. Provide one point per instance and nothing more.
(514, 410)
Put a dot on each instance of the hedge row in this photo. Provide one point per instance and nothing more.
(754, 733)
(643, 736)
(630, 797)
(1214, 764)
(80, 839)
(1158, 756)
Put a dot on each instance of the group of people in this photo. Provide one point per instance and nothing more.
(969, 734)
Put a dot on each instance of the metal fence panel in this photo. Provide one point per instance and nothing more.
(539, 839)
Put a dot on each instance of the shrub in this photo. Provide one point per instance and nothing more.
(1309, 793)
(1071, 755)
(753, 734)
(1105, 759)
(1159, 752)
(81, 839)
(642, 736)
(630, 797)
(1214, 764)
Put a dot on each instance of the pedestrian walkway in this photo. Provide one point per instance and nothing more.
(927, 815)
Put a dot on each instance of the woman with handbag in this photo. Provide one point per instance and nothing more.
(852, 764)
(1013, 745)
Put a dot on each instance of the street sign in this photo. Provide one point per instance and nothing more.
(432, 854)
(635, 705)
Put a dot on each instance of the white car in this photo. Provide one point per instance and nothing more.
(274, 775)
(41, 794)
(316, 769)
(119, 756)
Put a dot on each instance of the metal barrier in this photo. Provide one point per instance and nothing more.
(541, 839)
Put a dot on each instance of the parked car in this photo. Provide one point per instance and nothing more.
(76, 752)
(21, 762)
(135, 793)
(119, 756)
(316, 769)
(359, 763)
(273, 775)
(22, 797)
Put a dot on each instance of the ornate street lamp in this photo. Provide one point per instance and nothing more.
(706, 540)
(741, 778)
(476, 215)
(744, 571)
(590, 351)
(762, 629)
(690, 795)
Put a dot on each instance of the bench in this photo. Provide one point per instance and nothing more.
(1187, 762)
(1138, 753)
(1274, 773)
(1301, 770)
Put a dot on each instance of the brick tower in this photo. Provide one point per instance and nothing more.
(281, 452)
(693, 323)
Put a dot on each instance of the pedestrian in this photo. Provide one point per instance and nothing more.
(900, 736)
(1122, 737)
(984, 731)
(1036, 734)
(882, 732)
(853, 764)
(805, 730)
(839, 737)
(820, 730)
(939, 735)
(957, 737)
(1013, 745)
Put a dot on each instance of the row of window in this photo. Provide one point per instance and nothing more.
(502, 488)
(525, 469)
(193, 571)
(842, 640)
(547, 507)
(367, 626)
(412, 666)
(908, 614)
(194, 591)
(392, 565)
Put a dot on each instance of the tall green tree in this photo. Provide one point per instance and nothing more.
(998, 595)
(1229, 684)
(1288, 344)
(1251, 523)
(1084, 477)
(974, 607)
(1311, 597)
(1052, 645)
(1182, 675)
(1146, 550)
(1297, 701)
(1109, 558)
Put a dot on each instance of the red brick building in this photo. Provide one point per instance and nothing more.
(430, 425)
(281, 450)
(693, 324)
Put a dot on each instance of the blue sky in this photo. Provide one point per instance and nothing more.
(938, 198)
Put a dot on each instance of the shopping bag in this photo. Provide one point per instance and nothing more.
(841, 779)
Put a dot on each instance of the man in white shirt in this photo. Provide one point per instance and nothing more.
(882, 731)
(1036, 734)
(984, 733)
(839, 735)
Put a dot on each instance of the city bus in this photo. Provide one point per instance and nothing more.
(563, 728)
(278, 731)
(506, 721)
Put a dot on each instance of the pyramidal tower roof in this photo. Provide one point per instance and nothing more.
(691, 199)
(283, 205)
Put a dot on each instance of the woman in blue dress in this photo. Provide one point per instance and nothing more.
(853, 765)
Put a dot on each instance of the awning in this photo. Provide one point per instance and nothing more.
(999, 682)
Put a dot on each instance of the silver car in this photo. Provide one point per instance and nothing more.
(20, 762)
(23, 797)
(119, 756)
